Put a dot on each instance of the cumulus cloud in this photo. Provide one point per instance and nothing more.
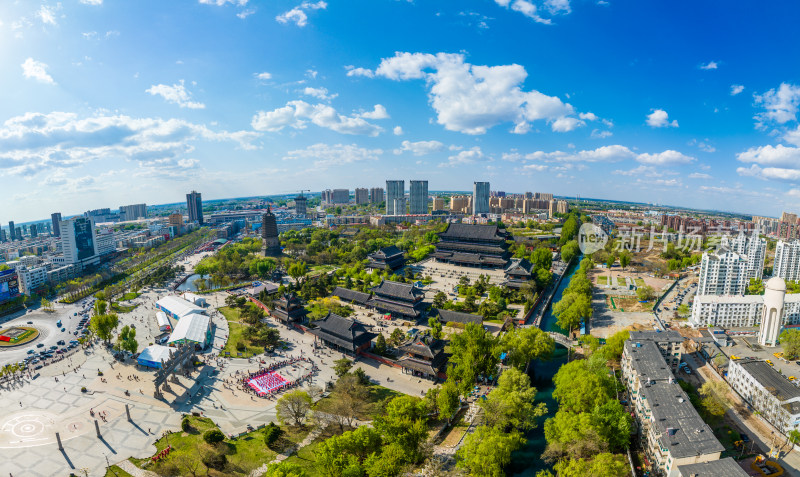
(703, 145)
(326, 155)
(263, 76)
(246, 13)
(220, 3)
(296, 114)
(298, 16)
(699, 175)
(780, 105)
(736, 89)
(468, 156)
(92, 2)
(378, 112)
(47, 14)
(660, 119)
(641, 170)
(473, 98)
(534, 12)
(666, 158)
(779, 155)
(711, 65)
(598, 134)
(398, 131)
(420, 148)
(176, 94)
(319, 93)
(36, 70)
(35, 142)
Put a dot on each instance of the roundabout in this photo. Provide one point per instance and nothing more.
(18, 336)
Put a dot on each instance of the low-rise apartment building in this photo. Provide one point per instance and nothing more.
(769, 392)
(670, 343)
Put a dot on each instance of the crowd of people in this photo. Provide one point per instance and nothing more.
(266, 381)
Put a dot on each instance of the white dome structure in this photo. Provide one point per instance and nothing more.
(772, 312)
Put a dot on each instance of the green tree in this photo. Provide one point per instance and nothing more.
(715, 398)
(435, 326)
(271, 434)
(578, 388)
(570, 250)
(380, 345)
(403, 424)
(103, 326)
(297, 270)
(447, 400)
(624, 259)
(213, 436)
(511, 403)
(285, 469)
(611, 259)
(541, 258)
(790, 340)
(388, 463)
(342, 455)
(569, 230)
(439, 300)
(342, 366)
(612, 350)
(522, 345)
(601, 465)
(571, 309)
(397, 337)
(126, 341)
(488, 450)
(755, 287)
(472, 355)
(293, 407)
(645, 293)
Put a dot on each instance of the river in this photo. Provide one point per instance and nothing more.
(527, 461)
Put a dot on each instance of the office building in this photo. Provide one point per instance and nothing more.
(105, 241)
(56, 219)
(2, 235)
(33, 231)
(300, 204)
(438, 203)
(12, 231)
(394, 190)
(752, 248)
(362, 196)
(31, 278)
(418, 198)
(340, 196)
(78, 240)
(723, 274)
(194, 202)
(132, 212)
(480, 198)
(787, 260)
(376, 195)
(773, 396)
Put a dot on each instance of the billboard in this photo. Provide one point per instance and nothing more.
(9, 285)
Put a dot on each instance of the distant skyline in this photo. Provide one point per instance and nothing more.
(111, 103)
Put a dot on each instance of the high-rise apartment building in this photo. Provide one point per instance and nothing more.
(194, 202)
(2, 235)
(753, 248)
(376, 195)
(461, 204)
(362, 195)
(56, 219)
(480, 198)
(34, 231)
(340, 196)
(789, 217)
(723, 274)
(787, 260)
(400, 206)
(327, 196)
(78, 239)
(418, 198)
(394, 190)
(438, 203)
(132, 212)
(176, 220)
(12, 234)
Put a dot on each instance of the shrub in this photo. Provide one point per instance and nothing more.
(271, 434)
(186, 426)
(215, 460)
(83, 389)
(213, 436)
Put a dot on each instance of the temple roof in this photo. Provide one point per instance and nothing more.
(351, 295)
(386, 253)
(446, 316)
(474, 232)
(401, 291)
(341, 331)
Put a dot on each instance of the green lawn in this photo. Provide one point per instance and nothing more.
(639, 282)
(244, 454)
(317, 270)
(378, 397)
(129, 296)
(602, 280)
(122, 308)
(235, 335)
(115, 471)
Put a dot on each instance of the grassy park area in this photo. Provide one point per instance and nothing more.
(129, 296)
(236, 342)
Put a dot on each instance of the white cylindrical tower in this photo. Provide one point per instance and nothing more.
(772, 313)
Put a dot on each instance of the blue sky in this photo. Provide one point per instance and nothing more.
(111, 102)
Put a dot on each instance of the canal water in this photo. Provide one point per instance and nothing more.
(527, 461)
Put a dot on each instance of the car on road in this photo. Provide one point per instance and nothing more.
(30, 351)
(38, 367)
(75, 332)
(30, 322)
(40, 345)
(54, 347)
(60, 342)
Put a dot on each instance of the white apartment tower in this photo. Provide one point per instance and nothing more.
(480, 198)
(418, 198)
(753, 248)
(787, 260)
(723, 274)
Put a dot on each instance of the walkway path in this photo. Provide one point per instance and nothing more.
(128, 467)
(288, 452)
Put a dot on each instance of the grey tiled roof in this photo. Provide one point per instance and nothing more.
(458, 317)
(474, 232)
(727, 467)
(400, 291)
(670, 336)
(647, 361)
(343, 332)
(770, 379)
(351, 295)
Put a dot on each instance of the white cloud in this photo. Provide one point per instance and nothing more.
(297, 15)
(47, 14)
(780, 105)
(35, 142)
(473, 98)
(220, 3)
(334, 155)
(378, 112)
(588, 116)
(320, 93)
(246, 13)
(352, 71)
(36, 70)
(532, 11)
(92, 2)
(176, 94)
(641, 170)
(296, 114)
(736, 89)
(699, 175)
(666, 158)
(598, 134)
(398, 131)
(711, 65)
(558, 6)
(263, 76)
(420, 148)
(660, 119)
(703, 145)
(468, 156)
(613, 153)
(779, 155)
